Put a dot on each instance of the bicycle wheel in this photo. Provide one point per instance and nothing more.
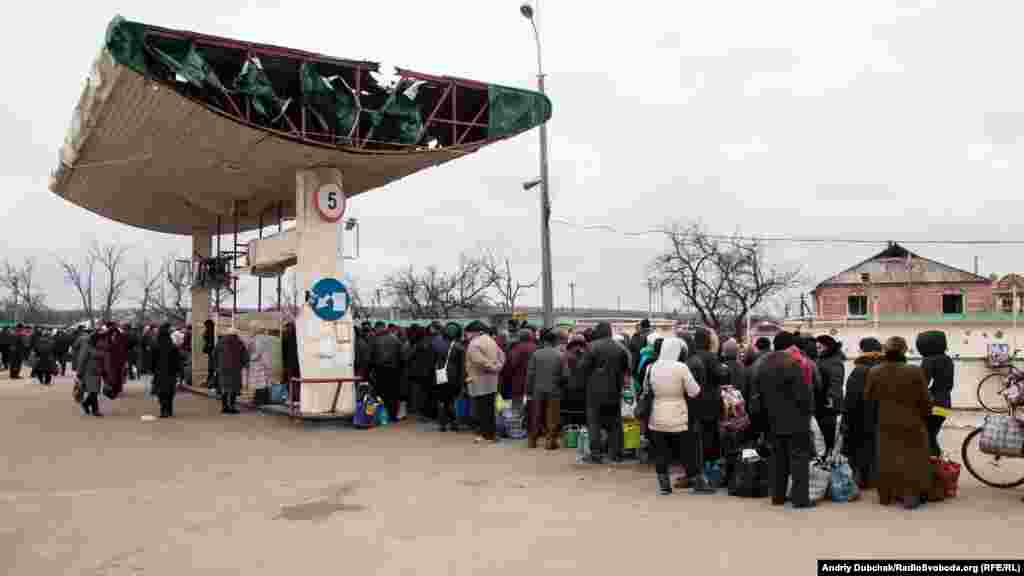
(994, 471)
(990, 393)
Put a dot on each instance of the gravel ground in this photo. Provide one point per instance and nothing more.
(255, 494)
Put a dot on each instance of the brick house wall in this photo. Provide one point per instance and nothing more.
(831, 301)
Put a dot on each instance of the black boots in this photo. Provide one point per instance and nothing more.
(664, 485)
(701, 485)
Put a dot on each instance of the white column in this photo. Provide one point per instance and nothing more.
(326, 349)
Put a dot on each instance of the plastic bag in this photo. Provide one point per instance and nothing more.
(713, 473)
(628, 405)
(582, 445)
(819, 476)
(842, 486)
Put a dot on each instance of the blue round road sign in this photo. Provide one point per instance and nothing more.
(329, 299)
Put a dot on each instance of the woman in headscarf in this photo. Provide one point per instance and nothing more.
(903, 410)
(232, 356)
(167, 366)
(860, 419)
(671, 383)
(90, 365)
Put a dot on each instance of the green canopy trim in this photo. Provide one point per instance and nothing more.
(126, 42)
(401, 116)
(253, 82)
(512, 110)
(184, 63)
(331, 101)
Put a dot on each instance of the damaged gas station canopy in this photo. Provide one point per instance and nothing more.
(175, 129)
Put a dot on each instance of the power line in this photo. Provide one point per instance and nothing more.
(789, 239)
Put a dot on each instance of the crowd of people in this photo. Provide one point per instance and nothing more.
(887, 414)
(105, 357)
(884, 414)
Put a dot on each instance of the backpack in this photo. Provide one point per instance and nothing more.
(734, 411)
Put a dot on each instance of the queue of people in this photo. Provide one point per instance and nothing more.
(882, 413)
(887, 413)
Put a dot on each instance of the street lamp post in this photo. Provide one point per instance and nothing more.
(545, 201)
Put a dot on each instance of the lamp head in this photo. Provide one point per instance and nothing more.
(531, 184)
(526, 10)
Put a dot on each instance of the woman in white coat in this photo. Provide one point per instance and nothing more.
(671, 382)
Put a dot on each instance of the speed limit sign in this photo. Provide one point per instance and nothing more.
(330, 202)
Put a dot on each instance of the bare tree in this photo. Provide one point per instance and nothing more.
(19, 281)
(499, 273)
(355, 302)
(151, 281)
(436, 294)
(172, 297)
(82, 276)
(110, 259)
(723, 278)
(409, 292)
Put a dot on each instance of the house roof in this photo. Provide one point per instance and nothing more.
(890, 266)
(1009, 282)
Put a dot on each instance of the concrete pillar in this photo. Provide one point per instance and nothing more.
(201, 246)
(326, 349)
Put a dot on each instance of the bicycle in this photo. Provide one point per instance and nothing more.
(992, 387)
(986, 467)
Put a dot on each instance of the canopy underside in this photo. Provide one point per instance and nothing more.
(142, 150)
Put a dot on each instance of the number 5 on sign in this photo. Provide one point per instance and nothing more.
(330, 202)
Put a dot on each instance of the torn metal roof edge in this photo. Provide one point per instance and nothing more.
(302, 55)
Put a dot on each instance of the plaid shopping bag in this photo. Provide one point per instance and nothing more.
(820, 476)
(1002, 435)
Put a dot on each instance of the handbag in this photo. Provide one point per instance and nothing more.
(441, 374)
(645, 403)
(76, 392)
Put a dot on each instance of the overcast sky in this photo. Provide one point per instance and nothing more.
(897, 119)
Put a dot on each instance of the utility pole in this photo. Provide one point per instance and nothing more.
(572, 295)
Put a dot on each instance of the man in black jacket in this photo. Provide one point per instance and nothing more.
(604, 369)
(386, 365)
(788, 405)
(706, 409)
(639, 340)
(831, 365)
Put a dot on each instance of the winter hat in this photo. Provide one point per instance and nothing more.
(828, 342)
(730, 348)
(870, 344)
(476, 327)
(783, 340)
(896, 346)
